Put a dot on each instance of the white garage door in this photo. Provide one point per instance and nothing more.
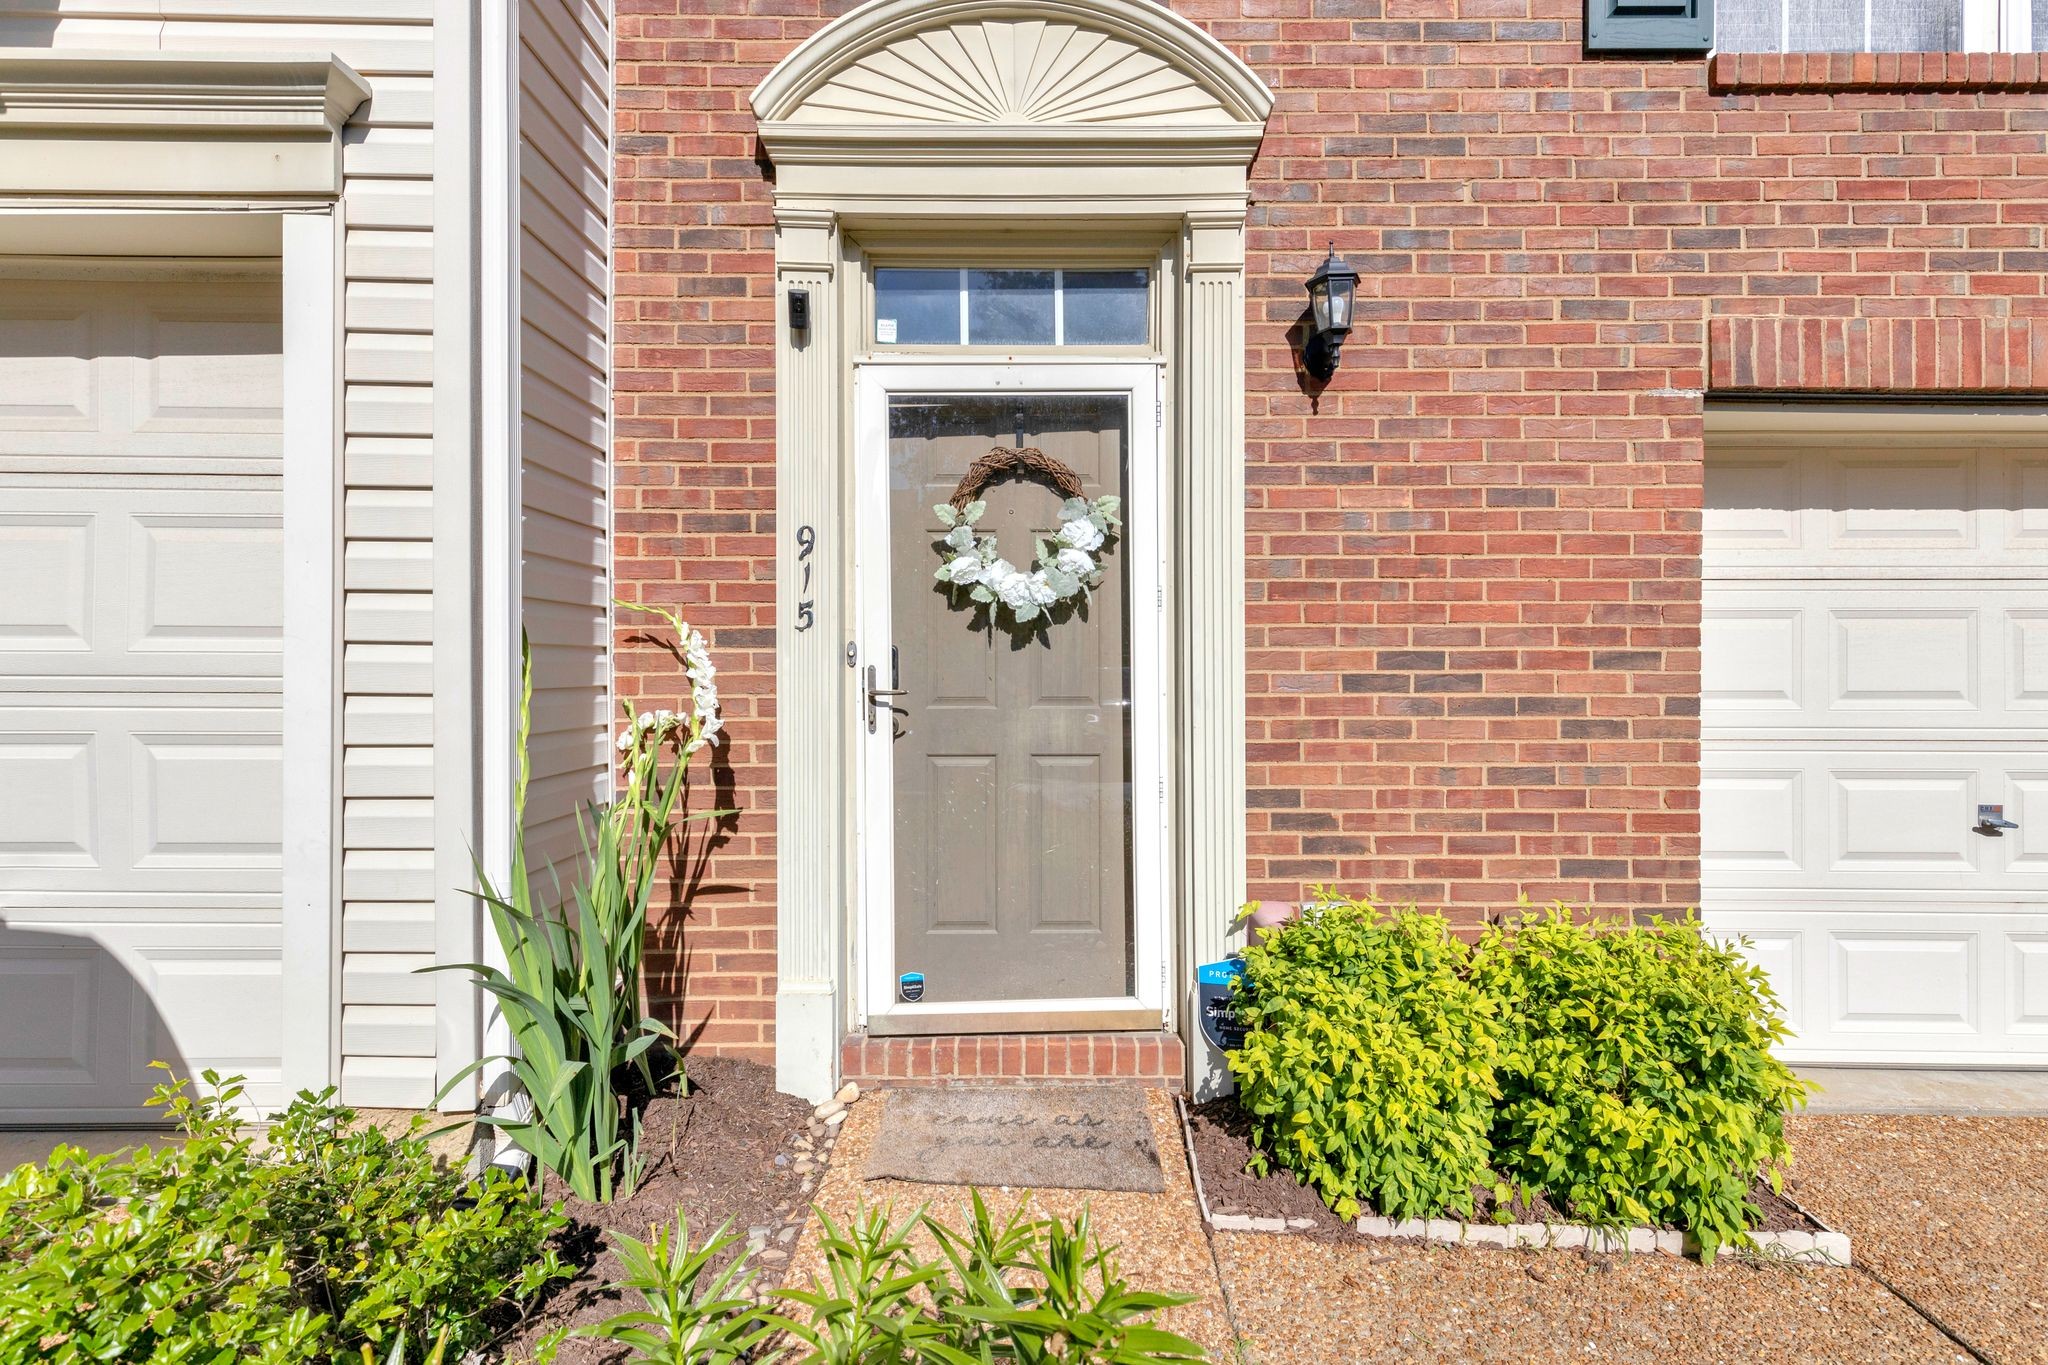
(140, 744)
(1876, 667)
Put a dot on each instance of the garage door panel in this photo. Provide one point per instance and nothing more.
(1959, 981)
(2028, 655)
(1897, 819)
(1893, 502)
(50, 988)
(209, 360)
(49, 380)
(47, 784)
(2026, 805)
(117, 795)
(1752, 659)
(1909, 656)
(142, 583)
(1874, 668)
(207, 584)
(91, 1004)
(1754, 818)
(200, 800)
(141, 737)
(2030, 985)
(1851, 510)
(1917, 656)
(2026, 502)
(46, 580)
(1905, 981)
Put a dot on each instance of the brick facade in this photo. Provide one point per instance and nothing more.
(1473, 620)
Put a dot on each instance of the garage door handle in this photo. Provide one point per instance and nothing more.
(1991, 821)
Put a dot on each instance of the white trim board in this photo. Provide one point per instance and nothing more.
(1146, 517)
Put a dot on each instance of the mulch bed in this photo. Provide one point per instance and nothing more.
(729, 1150)
(1222, 1139)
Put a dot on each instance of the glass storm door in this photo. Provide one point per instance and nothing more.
(1001, 833)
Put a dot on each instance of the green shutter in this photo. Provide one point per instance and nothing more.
(1649, 25)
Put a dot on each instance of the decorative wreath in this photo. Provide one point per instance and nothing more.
(1068, 563)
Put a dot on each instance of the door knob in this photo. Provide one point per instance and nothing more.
(875, 695)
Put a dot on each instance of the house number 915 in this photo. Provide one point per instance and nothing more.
(806, 612)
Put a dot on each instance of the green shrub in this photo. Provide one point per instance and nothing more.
(1637, 1081)
(1024, 1292)
(1367, 1067)
(213, 1251)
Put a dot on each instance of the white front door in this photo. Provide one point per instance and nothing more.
(1012, 820)
(140, 731)
(1875, 671)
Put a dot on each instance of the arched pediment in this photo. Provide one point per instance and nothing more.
(984, 72)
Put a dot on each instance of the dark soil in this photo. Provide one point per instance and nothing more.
(725, 1152)
(1222, 1140)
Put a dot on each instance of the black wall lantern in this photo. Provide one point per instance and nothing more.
(1331, 291)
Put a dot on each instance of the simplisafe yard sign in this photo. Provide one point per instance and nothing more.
(1212, 990)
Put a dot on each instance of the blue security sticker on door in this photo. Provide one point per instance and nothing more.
(1213, 981)
(910, 986)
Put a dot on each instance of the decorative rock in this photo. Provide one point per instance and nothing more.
(781, 1160)
(847, 1093)
(835, 1118)
(774, 1254)
(787, 1235)
(829, 1110)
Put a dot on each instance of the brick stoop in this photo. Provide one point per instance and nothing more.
(943, 1059)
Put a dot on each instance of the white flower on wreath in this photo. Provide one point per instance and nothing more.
(1065, 570)
(1082, 534)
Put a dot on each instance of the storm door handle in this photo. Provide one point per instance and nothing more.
(875, 695)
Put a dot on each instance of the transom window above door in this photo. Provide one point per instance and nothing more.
(973, 306)
(1881, 25)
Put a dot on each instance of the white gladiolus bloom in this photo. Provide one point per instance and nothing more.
(1081, 534)
(1079, 563)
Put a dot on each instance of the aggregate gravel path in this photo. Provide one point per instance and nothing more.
(1305, 1301)
(1160, 1239)
(1953, 1210)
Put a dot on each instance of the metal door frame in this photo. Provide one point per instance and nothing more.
(1144, 542)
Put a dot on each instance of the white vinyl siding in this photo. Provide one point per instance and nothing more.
(564, 70)
(388, 880)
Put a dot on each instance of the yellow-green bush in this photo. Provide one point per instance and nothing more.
(1636, 1078)
(1367, 1068)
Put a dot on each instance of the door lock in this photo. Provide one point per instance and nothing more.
(875, 694)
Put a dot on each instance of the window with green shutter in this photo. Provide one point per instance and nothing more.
(1649, 25)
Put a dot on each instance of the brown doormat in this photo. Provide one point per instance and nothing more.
(1094, 1137)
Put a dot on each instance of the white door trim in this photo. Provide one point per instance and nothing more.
(1144, 520)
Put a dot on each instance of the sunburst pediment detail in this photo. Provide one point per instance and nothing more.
(1011, 71)
(1114, 65)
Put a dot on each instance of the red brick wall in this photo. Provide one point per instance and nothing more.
(1474, 559)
